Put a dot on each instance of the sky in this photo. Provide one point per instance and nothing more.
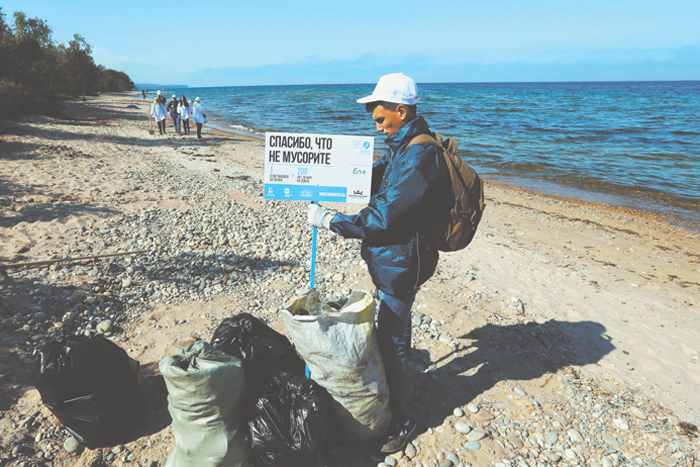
(271, 42)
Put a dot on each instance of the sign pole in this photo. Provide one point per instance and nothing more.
(313, 255)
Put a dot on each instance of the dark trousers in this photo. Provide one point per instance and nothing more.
(161, 126)
(199, 130)
(186, 125)
(176, 122)
(394, 336)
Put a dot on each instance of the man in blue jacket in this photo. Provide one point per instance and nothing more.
(410, 189)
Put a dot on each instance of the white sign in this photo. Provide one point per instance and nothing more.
(309, 167)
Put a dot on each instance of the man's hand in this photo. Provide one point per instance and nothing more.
(318, 216)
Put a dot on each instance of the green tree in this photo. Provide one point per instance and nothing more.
(31, 70)
(78, 67)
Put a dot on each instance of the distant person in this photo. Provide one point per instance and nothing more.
(185, 112)
(158, 112)
(410, 189)
(199, 116)
(172, 108)
(143, 92)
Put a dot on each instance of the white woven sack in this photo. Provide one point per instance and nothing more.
(206, 394)
(342, 354)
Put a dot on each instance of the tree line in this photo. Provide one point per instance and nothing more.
(36, 72)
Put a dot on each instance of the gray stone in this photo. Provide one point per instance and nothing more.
(472, 446)
(476, 435)
(463, 428)
(621, 424)
(94, 272)
(552, 437)
(410, 451)
(666, 461)
(104, 326)
(128, 282)
(445, 463)
(570, 453)
(515, 442)
(117, 449)
(390, 461)
(451, 456)
(611, 441)
(458, 412)
(552, 456)
(473, 408)
(575, 436)
(520, 391)
(71, 445)
(638, 413)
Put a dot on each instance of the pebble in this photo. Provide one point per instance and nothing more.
(638, 413)
(458, 412)
(472, 446)
(390, 461)
(621, 424)
(515, 442)
(463, 428)
(520, 391)
(473, 408)
(552, 456)
(451, 456)
(570, 453)
(410, 451)
(611, 440)
(552, 437)
(666, 461)
(127, 282)
(71, 445)
(476, 435)
(445, 463)
(104, 326)
(575, 436)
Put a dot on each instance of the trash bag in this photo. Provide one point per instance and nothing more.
(91, 385)
(341, 351)
(289, 426)
(206, 398)
(260, 347)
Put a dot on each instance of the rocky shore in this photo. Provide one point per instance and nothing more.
(566, 334)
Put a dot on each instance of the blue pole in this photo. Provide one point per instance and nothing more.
(313, 256)
(313, 271)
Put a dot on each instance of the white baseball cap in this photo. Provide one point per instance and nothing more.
(197, 99)
(158, 93)
(395, 87)
(174, 96)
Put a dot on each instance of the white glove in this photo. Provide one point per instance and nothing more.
(318, 216)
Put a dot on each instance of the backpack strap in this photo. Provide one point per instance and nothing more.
(426, 139)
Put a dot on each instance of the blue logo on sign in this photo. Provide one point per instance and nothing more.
(366, 145)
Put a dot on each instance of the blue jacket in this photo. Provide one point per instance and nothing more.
(410, 187)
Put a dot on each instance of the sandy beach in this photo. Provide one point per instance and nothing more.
(571, 327)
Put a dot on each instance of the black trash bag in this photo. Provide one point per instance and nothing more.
(91, 385)
(289, 426)
(260, 348)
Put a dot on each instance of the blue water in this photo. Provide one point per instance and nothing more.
(634, 144)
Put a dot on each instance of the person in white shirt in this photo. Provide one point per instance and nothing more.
(199, 116)
(185, 112)
(159, 113)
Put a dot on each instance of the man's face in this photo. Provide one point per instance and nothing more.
(388, 121)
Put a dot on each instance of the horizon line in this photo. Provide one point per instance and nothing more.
(428, 83)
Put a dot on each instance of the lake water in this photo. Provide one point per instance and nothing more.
(634, 144)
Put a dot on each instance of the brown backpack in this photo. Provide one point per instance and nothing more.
(459, 225)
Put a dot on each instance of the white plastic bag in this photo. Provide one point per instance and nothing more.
(342, 353)
(206, 397)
